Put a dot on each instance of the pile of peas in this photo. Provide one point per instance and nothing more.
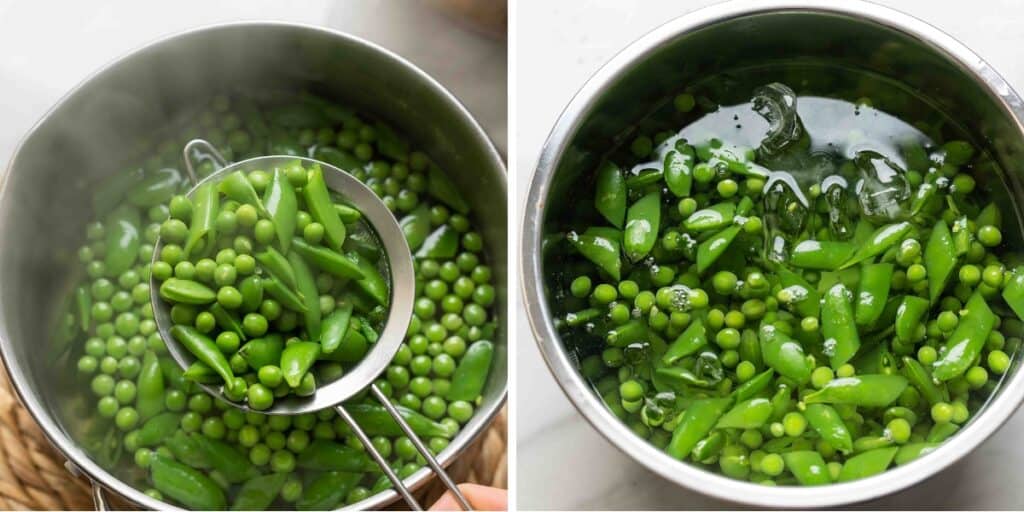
(781, 343)
(115, 340)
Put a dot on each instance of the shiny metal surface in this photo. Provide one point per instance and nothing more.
(738, 34)
(95, 130)
(402, 281)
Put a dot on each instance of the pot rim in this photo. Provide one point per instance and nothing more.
(77, 460)
(995, 412)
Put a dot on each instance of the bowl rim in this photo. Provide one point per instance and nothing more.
(997, 411)
(77, 461)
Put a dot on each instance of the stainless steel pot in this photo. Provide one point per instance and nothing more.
(734, 35)
(94, 130)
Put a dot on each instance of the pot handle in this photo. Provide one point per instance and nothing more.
(200, 150)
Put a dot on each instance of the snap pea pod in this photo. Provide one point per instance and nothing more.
(939, 259)
(441, 188)
(867, 464)
(416, 226)
(306, 285)
(259, 493)
(697, 421)
(643, 220)
(820, 254)
(472, 371)
(186, 485)
(200, 373)
(784, 355)
(875, 283)
(225, 459)
(582, 316)
(880, 241)
(689, 342)
(352, 349)
(346, 213)
(678, 169)
(228, 320)
(921, 378)
(251, 289)
(990, 215)
(964, 344)
(808, 467)
(372, 282)
(941, 431)
(442, 243)
(709, 447)
(752, 413)
(282, 205)
(186, 451)
(713, 217)
(390, 144)
(824, 419)
(296, 360)
(204, 349)
(806, 299)
(334, 327)
(326, 455)
(283, 294)
(205, 205)
(318, 201)
(1013, 291)
(909, 315)
(709, 250)
(610, 195)
(123, 239)
(83, 300)
(173, 374)
(640, 178)
(913, 451)
(679, 378)
(837, 326)
(962, 236)
(600, 250)
(262, 352)
(328, 261)
(627, 333)
(754, 386)
(327, 491)
(864, 390)
(149, 396)
(277, 265)
(158, 429)
(376, 421)
(183, 291)
(237, 186)
(750, 348)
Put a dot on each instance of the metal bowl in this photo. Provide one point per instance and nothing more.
(94, 131)
(729, 36)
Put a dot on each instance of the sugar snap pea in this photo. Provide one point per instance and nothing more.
(296, 360)
(866, 464)
(697, 421)
(864, 390)
(376, 421)
(123, 239)
(783, 354)
(643, 220)
(610, 196)
(204, 215)
(808, 467)
(326, 491)
(259, 492)
(186, 485)
(472, 371)
(282, 205)
(965, 342)
(837, 325)
(204, 349)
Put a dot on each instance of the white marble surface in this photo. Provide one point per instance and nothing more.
(48, 46)
(563, 463)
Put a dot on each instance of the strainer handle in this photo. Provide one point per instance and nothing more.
(200, 149)
(420, 447)
(99, 502)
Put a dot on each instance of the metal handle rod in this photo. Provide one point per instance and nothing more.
(422, 448)
(381, 461)
(204, 150)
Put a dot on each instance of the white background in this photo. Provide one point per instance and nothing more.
(563, 463)
(48, 46)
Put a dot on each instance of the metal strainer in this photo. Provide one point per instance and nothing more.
(402, 290)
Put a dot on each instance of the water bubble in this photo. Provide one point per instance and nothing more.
(785, 213)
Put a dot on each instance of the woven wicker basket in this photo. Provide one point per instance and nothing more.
(33, 477)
